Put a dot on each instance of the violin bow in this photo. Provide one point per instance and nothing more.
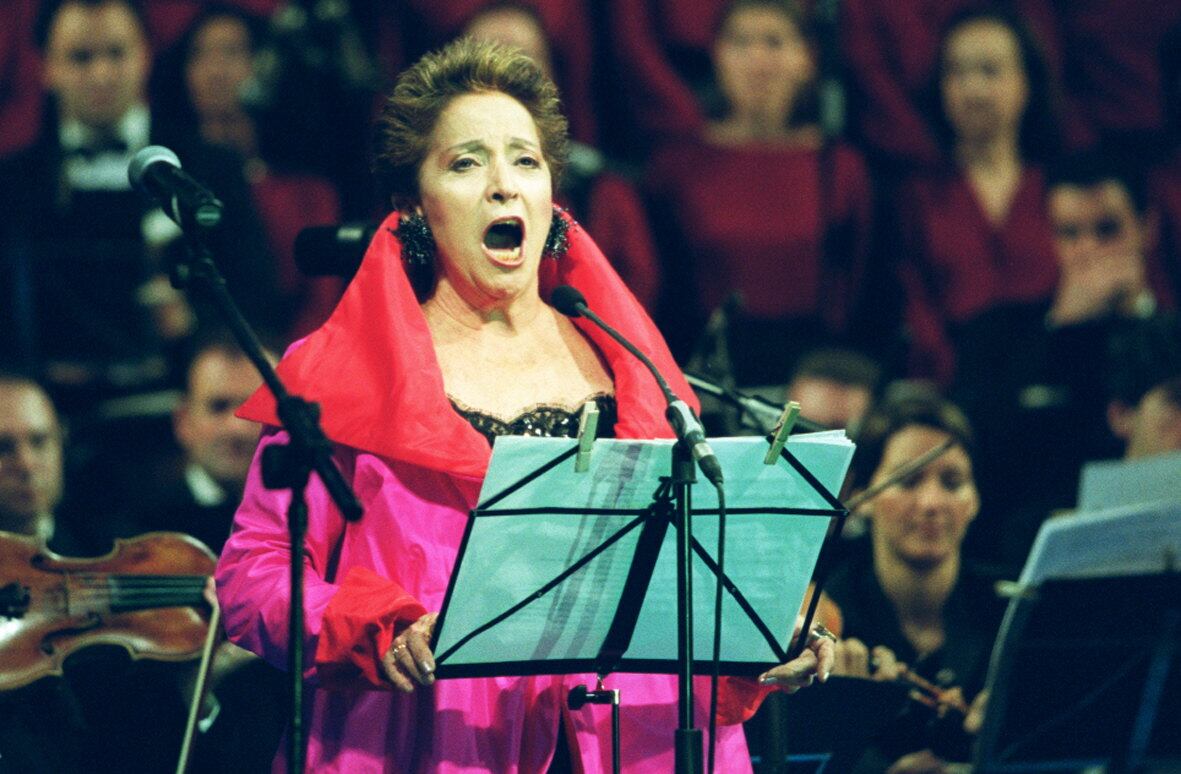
(202, 683)
(918, 463)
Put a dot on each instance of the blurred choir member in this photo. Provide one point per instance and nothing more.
(890, 50)
(974, 233)
(208, 75)
(566, 51)
(758, 208)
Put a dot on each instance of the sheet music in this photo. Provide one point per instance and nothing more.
(770, 557)
(1112, 483)
(1134, 540)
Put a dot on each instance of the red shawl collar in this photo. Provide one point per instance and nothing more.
(372, 365)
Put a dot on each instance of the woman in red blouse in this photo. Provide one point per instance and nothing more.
(758, 206)
(975, 232)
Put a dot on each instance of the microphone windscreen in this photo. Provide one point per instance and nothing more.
(333, 251)
(567, 300)
(145, 158)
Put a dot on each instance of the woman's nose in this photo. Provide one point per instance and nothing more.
(502, 186)
(932, 494)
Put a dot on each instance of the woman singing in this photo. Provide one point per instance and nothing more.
(441, 342)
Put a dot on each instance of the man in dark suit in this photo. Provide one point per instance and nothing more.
(106, 712)
(83, 258)
(217, 447)
(1037, 379)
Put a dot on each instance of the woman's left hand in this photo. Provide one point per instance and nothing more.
(409, 659)
(816, 661)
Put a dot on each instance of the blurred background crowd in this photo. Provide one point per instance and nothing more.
(852, 203)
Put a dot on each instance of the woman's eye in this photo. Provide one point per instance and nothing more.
(461, 164)
(953, 481)
(910, 482)
(528, 161)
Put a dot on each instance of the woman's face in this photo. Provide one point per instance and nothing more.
(762, 62)
(219, 63)
(922, 519)
(486, 192)
(985, 89)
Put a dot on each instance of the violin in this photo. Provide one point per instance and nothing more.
(146, 595)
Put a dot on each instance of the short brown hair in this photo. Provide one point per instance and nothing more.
(465, 66)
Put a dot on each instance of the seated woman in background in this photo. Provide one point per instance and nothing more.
(441, 343)
(908, 599)
(214, 60)
(758, 206)
(975, 233)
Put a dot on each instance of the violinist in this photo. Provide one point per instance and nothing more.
(35, 720)
(106, 713)
(910, 607)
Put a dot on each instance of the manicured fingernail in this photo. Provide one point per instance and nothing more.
(426, 667)
(766, 679)
(824, 677)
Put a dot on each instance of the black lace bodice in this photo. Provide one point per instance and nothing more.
(541, 420)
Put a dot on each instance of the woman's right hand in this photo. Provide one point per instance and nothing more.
(409, 659)
(855, 659)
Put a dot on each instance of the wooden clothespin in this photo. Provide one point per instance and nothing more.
(588, 425)
(787, 421)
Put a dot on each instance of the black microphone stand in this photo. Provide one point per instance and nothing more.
(284, 466)
(687, 739)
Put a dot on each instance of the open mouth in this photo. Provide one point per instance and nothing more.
(505, 234)
(503, 240)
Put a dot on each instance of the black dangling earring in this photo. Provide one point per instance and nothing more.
(557, 241)
(418, 243)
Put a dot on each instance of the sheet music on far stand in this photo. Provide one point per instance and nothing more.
(519, 543)
(1087, 669)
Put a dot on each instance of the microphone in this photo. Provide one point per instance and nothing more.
(570, 302)
(333, 251)
(156, 171)
(763, 411)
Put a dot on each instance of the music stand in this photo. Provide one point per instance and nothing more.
(1087, 671)
(563, 572)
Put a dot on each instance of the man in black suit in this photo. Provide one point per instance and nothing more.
(217, 447)
(106, 712)
(1037, 379)
(83, 258)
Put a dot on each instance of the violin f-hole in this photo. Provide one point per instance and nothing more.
(14, 601)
